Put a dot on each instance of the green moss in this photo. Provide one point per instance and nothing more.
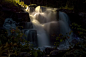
(9, 2)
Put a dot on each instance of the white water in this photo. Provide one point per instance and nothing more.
(37, 19)
(64, 28)
(42, 17)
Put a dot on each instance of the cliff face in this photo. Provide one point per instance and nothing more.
(7, 10)
(27, 2)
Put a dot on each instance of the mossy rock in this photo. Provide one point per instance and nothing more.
(75, 53)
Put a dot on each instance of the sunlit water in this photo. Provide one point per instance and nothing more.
(42, 17)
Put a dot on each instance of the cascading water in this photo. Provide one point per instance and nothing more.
(42, 18)
(64, 28)
(43, 39)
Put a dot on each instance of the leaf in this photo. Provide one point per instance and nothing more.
(80, 33)
(60, 34)
(61, 40)
(16, 53)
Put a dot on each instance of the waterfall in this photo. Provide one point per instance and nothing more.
(64, 28)
(38, 18)
(42, 18)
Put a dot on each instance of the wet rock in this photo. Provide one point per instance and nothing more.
(57, 53)
(67, 11)
(74, 41)
(71, 55)
(48, 50)
(46, 56)
(4, 54)
(24, 54)
(21, 17)
(25, 2)
(9, 24)
(13, 55)
(75, 53)
(28, 55)
(54, 52)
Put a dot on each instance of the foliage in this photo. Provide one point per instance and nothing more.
(62, 38)
(75, 53)
(81, 32)
(21, 3)
(14, 44)
(67, 7)
(12, 2)
(14, 41)
(79, 49)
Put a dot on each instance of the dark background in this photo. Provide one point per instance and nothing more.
(78, 5)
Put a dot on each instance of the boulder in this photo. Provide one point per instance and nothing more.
(48, 50)
(74, 41)
(21, 17)
(57, 53)
(9, 24)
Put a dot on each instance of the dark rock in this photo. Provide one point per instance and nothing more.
(67, 11)
(2, 28)
(25, 1)
(21, 17)
(75, 52)
(27, 55)
(54, 52)
(13, 55)
(48, 50)
(6, 9)
(70, 55)
(7, 13)
(46, 56)
(3, 32)
(57, 53)
(74, 41)
(24, 54)
(4, 54)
